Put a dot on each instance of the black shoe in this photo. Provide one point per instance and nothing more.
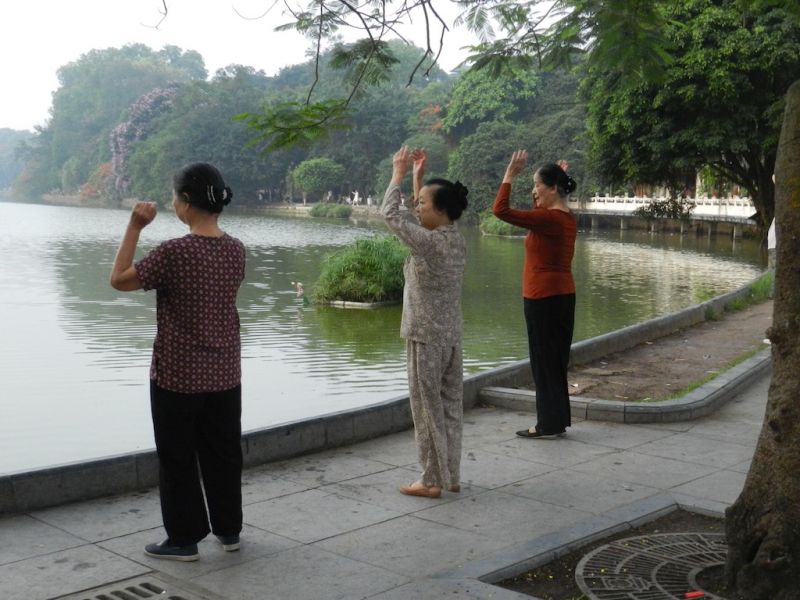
(171, 552)
(542, 435)
(230, 543)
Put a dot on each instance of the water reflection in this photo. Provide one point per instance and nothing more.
(76, 351)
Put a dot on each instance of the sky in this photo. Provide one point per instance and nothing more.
(39, 36)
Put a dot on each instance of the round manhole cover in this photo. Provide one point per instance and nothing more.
(661, 566)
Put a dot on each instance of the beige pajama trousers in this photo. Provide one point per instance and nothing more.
(436, 389)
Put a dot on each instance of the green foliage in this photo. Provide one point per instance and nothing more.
(438, 157)
(334, 211)
(491, 225)
(369, 270)
(290, 123)
(366, 60)
(623, 36)
(763, 288)
(344, 91)
(198, 126)
(480, 160)
(553, 131)
(668, 208)
(11, 164)
(94, 92)
(315, 176)
(760, 291)
(479, 97)
(718, 103)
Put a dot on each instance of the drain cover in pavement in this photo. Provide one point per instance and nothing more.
(661, 566)
(136, 588)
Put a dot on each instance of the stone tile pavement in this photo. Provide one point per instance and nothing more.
(332, 525)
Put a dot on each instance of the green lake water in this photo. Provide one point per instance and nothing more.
(75, 353)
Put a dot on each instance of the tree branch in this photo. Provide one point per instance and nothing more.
(163, 14)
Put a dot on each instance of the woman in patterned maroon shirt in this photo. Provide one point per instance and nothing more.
(195, 374)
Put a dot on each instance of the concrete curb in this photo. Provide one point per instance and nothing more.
(60, 484)
(701, 401)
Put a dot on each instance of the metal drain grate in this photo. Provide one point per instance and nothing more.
(136, 588)
(661, 566)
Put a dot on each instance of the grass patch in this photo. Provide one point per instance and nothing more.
(491, 225)
(760, 291)
(335, 211)
(696, 384)
(369, 270)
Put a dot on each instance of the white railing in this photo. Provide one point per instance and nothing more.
(734, 208)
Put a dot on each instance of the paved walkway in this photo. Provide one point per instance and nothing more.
(332, 525)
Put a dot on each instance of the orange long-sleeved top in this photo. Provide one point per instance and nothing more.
(549, 246)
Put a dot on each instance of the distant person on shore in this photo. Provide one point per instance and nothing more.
(431, 321)
(548, 289)
(195, 375)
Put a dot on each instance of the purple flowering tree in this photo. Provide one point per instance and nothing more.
(124, 136)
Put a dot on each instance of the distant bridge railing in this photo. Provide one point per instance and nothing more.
(731, 210)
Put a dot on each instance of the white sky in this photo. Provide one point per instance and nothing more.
(39, 36)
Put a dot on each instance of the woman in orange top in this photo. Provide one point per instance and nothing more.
(548, 288)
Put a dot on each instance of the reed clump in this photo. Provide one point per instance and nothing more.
(333, 211)
(369, 270)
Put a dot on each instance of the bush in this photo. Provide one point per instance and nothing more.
(369, 270)
(491, 225)
(336, 211)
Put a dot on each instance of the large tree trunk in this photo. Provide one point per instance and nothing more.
(763, 525)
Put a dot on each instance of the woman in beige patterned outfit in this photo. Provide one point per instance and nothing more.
(431, 322)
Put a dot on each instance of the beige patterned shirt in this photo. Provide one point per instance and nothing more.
(434, 272)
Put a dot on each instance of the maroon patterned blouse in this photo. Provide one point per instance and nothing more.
(196, 278)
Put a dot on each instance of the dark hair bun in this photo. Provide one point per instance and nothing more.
(461, 192)
(552, 174)
(202, 186)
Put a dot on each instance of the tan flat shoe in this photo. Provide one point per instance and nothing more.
(421, 490)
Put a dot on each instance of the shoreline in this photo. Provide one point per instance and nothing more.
(59, 484)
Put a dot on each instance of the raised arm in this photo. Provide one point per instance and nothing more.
(501, 208)
(516, 165)
(123, 273)
(419, 157)
(416, 237)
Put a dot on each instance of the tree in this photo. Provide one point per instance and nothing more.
(479, 97)
(10, 163)
(318, 175)
(551, 128)
(94, 91)
(481, 158)
(198, 125)
(718, 103)
(761, 526)
(135, 128)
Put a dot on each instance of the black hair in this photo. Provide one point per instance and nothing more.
(449, 197)
(552, 174)
(202, 186)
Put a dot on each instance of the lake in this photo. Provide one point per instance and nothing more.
(75, 353)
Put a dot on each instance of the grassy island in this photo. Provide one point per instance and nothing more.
(336, 211)
(370, 270)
